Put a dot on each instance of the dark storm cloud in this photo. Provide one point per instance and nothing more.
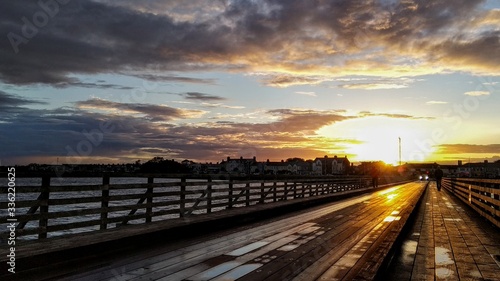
(125, 131)
(484, 51)
(8, 100)
(86, 37)
(91, 85)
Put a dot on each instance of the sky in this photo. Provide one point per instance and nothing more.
(98, 81)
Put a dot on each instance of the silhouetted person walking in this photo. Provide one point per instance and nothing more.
(438, 174)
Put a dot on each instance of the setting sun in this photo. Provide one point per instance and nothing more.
(378, 139)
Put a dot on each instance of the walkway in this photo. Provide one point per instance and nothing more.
(338, 241)
(448, 241)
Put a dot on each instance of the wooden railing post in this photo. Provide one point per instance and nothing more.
(285, 193)
(294, 190)
(44, 207)
(182, 206)
(149, 199)
(274, 191)
(247, 191)
(262, 191)
(230, 196)
(209, 195)
(104, 202)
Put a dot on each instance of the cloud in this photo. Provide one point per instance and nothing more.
(175, 78)
(312, 94)
(220, 105)
(152, 112)
(391, 115)
(296, 43)
(11, 101)
(469, 148)
(201, 97)
(283, 81)
(371, 86)
(142, 131)
(433, 102)
(96, 85)
(477, 93)
(193, 10)
(372, 83)
(466, 53)
(304, 121)
(38, 135)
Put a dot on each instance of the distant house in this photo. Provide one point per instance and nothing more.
(240, 165)
(276, 168)
(195, 168)
(482, 169)
(331, 166)
(294, 167)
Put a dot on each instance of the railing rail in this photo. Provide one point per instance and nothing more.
(47, 211)
(483, 195)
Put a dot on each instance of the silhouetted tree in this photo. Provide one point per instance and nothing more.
(160, 165)
(295, 159)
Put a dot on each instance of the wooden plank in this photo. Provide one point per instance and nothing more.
(274, 271)
(252, 233)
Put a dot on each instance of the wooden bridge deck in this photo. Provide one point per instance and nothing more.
(447, 241)
(344, 240)
(348, 239)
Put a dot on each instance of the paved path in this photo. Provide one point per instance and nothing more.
(448, 241)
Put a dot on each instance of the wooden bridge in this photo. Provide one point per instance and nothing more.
(309, 229)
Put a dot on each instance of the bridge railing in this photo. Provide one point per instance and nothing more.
(47, 211)
(483, 195)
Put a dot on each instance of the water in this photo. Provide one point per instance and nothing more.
(20, 197)
(195, 197)
(61, 220)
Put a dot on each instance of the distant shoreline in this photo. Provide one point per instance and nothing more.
(166, 175)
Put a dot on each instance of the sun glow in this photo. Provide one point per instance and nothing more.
(378, 138)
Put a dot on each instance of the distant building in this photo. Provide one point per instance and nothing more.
(479, 170)
(331, 166)
(241, 165)
(277, 168)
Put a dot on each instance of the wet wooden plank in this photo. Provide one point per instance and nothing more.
(307, 255)
(454, 244)
(207, 248)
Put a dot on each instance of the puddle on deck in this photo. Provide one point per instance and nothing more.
(238, 272)
(443, 259)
